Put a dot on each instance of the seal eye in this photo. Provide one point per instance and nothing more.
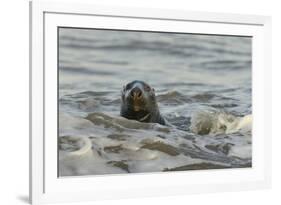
(128, 86)
(146, 88)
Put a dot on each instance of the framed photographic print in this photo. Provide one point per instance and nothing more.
(129, 102)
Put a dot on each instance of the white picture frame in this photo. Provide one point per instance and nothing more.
(46, 187)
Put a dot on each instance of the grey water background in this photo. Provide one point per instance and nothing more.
(190, 74)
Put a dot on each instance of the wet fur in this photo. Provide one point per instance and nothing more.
(149, 111)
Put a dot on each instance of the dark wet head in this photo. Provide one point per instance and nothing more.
(138, 96)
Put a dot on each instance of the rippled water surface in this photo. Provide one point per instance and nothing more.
(203, 88)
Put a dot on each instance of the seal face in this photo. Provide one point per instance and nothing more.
(138, 102)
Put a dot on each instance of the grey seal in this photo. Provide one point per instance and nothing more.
(138, 102)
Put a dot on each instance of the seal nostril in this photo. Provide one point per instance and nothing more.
(136, 93)
(139, 94)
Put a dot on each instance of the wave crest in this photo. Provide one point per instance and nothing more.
(212, 122)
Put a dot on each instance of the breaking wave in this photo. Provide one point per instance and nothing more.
(103, 144)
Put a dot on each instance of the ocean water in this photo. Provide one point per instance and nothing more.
(203, 88)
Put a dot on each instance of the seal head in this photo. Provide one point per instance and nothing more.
(138, 102)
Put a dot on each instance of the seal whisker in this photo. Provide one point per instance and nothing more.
(145, 117)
